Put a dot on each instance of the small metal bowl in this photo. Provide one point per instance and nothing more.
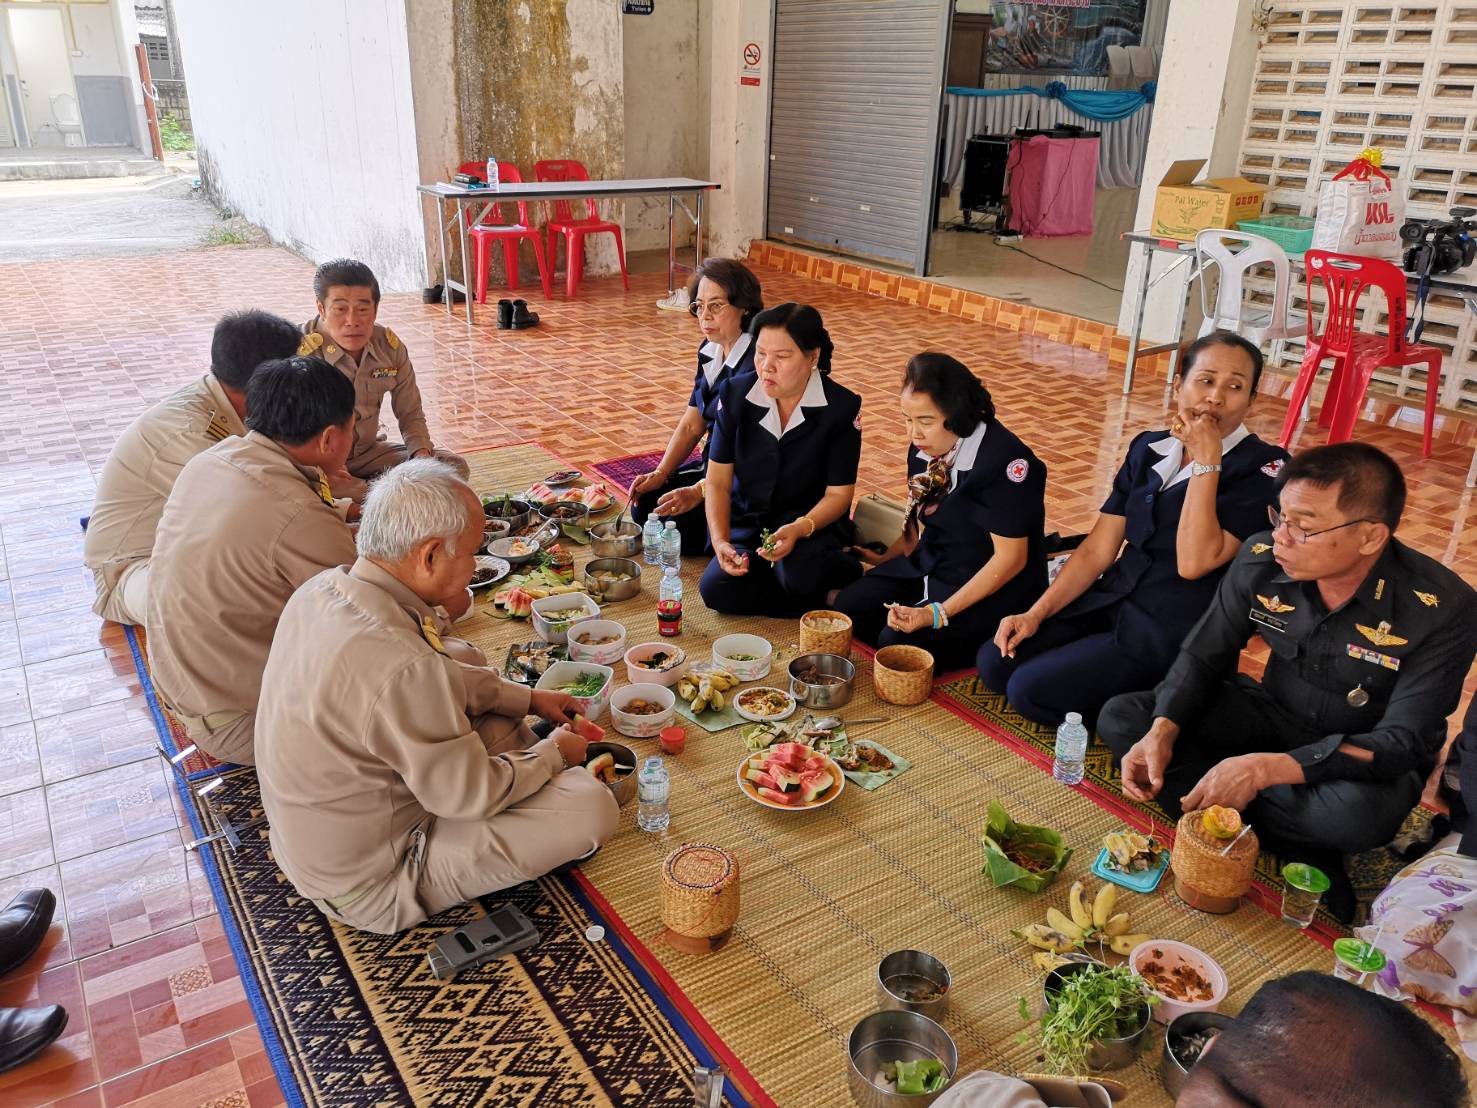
(495, 529)
(499, 548)
(607, 542)
(830, 694)
(1172, 1072)
(565, 512)
(624, 789)
(911, 967)
(623, 590)
(1103, 1054)
(518, 514)
(895, 1037)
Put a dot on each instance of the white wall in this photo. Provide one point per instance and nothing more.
(304, 124)
(663, 101)
(738, 139)
(97, 38)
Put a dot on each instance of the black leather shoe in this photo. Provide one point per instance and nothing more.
(23, 925)
(26, 1032)
(522, 317)
(504, 314)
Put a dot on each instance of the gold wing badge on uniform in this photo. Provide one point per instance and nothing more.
(311, 344)
(1429, 599)
(1260, 547)
(1380, 635)
(1274, 604)
(432, 636)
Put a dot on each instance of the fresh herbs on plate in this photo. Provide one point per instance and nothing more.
(1090, 1004)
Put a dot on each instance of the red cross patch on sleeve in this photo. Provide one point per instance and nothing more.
(857, 422)
(1274, 467)
(1017, 470)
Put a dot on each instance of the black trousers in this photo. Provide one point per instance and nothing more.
(952, 647)
(1338, 816)
(692, 524)
(794, 585)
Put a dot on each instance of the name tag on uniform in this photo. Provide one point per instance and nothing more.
(1373, 657)
(1259, 616)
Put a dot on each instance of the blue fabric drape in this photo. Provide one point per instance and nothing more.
(1103, 105)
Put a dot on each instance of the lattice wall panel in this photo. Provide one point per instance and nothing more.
(1335, 76)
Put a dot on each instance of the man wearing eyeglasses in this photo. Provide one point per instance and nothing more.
(1370, 642)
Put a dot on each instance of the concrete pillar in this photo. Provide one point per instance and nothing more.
(430, 33)
(738, 110)
(1200, 108)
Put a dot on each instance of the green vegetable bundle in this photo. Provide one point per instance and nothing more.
(1092, 1004)
(1008, 844)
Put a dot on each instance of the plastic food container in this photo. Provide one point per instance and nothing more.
(561, 674)
(604, 654)
(642, 726)
(753, 662)
(1170, 954)
(559, 633)
(638, 674)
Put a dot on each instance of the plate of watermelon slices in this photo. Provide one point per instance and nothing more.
(791, 777)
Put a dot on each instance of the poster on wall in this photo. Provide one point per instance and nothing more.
(1062, 37)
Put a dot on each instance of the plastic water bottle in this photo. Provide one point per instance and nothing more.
(492, 181)
(651, 541)
(671, 545)
(1071, 750)
(653, 787)
(671, 584)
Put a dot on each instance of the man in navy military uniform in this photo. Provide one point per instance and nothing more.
(1370, 642)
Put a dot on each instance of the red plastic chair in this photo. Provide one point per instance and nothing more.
(1356, 356)
(574, 229)
(488, 227)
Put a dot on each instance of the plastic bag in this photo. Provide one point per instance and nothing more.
(1360, 210)
(1042, 846)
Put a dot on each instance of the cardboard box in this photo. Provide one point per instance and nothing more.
(1183, 206)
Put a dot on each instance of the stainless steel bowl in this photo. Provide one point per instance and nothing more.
(607, 542)
(904, 968)
(624, 789)
(622, 591)
(1171, 1071)
(499, 548)
(565, 511)
(1103, 1054)
(519, 514)
(830, 695)
(895, 1037)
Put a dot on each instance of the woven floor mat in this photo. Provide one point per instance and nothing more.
(825, 894)
(621, 472)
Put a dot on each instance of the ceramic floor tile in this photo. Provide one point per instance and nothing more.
(108, 735)
(20, 764)
(53, 591)
(10, 645)
(127, 892)
(55, 949)
(77, 681)
(65, 1068)
(25, 833)
(14, 705)
(110, 807)
(207, 1075)
(28, 555)
(43, 638)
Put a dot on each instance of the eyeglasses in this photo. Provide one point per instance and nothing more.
(709, 310)
(1298, 534)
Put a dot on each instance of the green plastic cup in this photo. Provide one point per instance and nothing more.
(1303, 887)
(1354, 960)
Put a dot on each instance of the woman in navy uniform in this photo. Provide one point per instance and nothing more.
(972, 549)
(1182, 504)
(724, 297)
(781, 470)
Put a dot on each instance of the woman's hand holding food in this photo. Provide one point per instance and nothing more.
(648, 482)
(733, 561)
(679, 501)
(901, 617)
(782, 541)
(1014, 630)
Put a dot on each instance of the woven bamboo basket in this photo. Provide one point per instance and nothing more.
(1205, 877)
(815, 641)
(700, 897)
(903, 674)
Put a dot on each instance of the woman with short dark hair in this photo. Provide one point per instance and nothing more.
(972, 548)
(1183, 502)
(781, 472)
(725, 297)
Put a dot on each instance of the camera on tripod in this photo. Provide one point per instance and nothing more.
(1436, 246)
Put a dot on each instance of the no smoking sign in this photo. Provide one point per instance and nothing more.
(750, 73)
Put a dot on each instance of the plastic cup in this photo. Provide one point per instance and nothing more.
(1303, 887)
(672, 740)
(1354, 960)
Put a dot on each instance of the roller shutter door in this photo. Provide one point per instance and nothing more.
(854, 121)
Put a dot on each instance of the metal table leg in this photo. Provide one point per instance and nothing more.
(461, 230)
(441, 243)
(671, 242)
(697, 228)
(1138, 317)
(1191, 272)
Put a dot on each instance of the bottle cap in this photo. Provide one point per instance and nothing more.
(1074, 717)
(653, 762)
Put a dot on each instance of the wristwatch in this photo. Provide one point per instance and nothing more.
(1198, 470)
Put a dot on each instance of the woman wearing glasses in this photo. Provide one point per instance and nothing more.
(725, 298)
(1182, 504)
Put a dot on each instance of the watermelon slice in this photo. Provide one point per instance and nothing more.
(813, 785)
(761, 779)
(590, 732)
(788, 761)
(813, 763)
(784, 778)
(799, 750)
(779, 798)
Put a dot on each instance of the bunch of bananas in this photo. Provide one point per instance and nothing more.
(1063, 932)
(704, 691)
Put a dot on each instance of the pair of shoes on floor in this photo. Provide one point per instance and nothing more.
(26, 1032)
(514, 315)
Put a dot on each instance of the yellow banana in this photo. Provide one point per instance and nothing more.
(716, 701)
(1056, 920)
(686, 689)
(1046, 961)
(1124, 944)
(1046, 938)
(1116, 925)
(722, 680)
(1102, 904)
(1081, 916)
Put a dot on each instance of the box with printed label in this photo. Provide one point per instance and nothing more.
(1184, 206)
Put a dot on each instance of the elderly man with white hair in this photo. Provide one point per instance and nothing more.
(398, 780)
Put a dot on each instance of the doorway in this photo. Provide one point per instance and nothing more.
(48, 96)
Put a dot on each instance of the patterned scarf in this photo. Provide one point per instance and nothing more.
(929, 487)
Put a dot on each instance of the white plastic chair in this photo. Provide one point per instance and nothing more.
(1218, 246)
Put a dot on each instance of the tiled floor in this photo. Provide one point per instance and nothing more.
(137, 955)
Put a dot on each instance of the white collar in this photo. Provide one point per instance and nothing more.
(710, 351)
(814, 397)
(1172, 467)
(969, 449)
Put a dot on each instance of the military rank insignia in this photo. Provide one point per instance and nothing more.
(432, 636)
(325, 493)
(311, 344)
(1260, 547)
(1429, 599)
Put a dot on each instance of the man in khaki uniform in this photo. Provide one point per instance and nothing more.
(345, 335)
(398, 781)
(248, 521)
(148, 456)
